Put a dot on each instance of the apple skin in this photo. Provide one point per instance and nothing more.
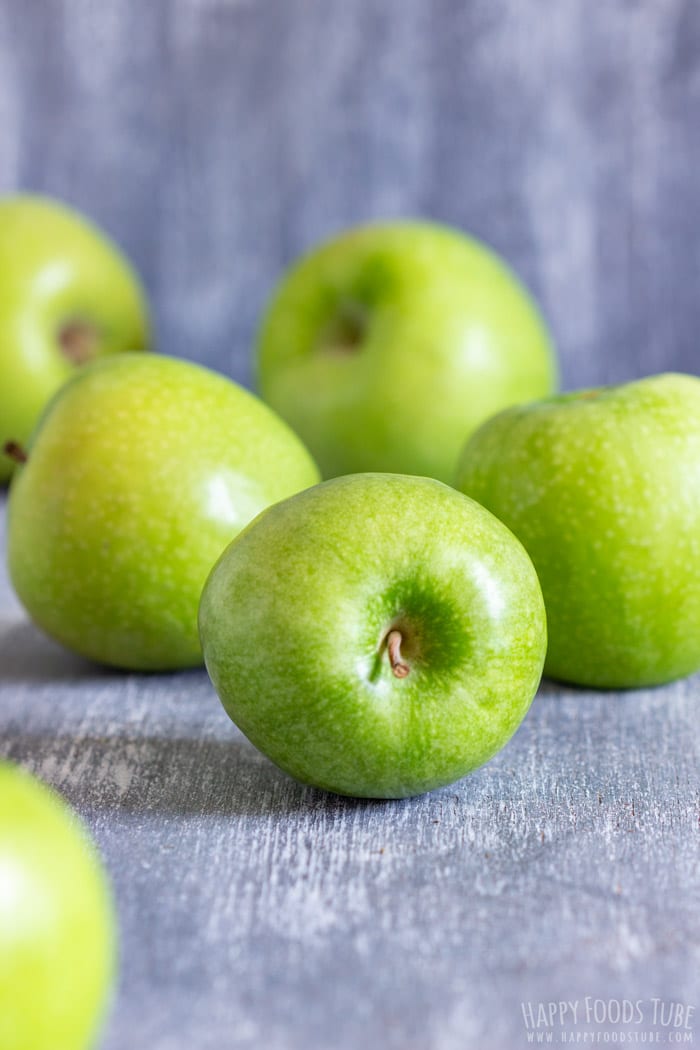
(296, 616)
(142, 470)
(57, 269)
(57, 928)
(603, 489)
(387, 346)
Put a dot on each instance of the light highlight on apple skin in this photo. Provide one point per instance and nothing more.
(385, 347)
(602, 487)
(57, 929)
(67, 295)
(141, 472)
(299, 620)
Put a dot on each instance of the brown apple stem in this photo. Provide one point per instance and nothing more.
(393, 646)
(78, 341)
(15, 451)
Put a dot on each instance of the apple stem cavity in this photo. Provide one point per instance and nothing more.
(15, 451)
(78, 341)
(393, 646)
(346, 331)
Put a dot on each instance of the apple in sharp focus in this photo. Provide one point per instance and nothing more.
(141, 472)
(57, 930)
(67, 295)
(378, 635)
(603, 489)
(386, 347)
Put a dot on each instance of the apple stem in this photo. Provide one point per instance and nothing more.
(393, 645)
(15, 451)
(78, 341)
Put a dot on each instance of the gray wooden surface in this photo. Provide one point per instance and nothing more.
(215, 139)
(258, 913)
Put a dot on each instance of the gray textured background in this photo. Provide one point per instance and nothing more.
(215, 139)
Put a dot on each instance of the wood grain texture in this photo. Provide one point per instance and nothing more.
(258, 913)
(216, 139)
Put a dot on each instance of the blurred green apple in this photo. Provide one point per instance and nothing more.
(387, 346)
(603, 489)
(142, 470)
(57, 930)
(378, 635)
(67, 295)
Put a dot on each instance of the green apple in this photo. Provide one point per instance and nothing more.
(603, 489)
(67, 295)
(378, 635)
(386, 347)
(142, 470)
(57, 930)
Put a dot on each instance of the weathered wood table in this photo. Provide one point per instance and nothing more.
(256, 913)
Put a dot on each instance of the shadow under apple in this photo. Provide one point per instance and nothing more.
(168, 776)
(28, 656)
